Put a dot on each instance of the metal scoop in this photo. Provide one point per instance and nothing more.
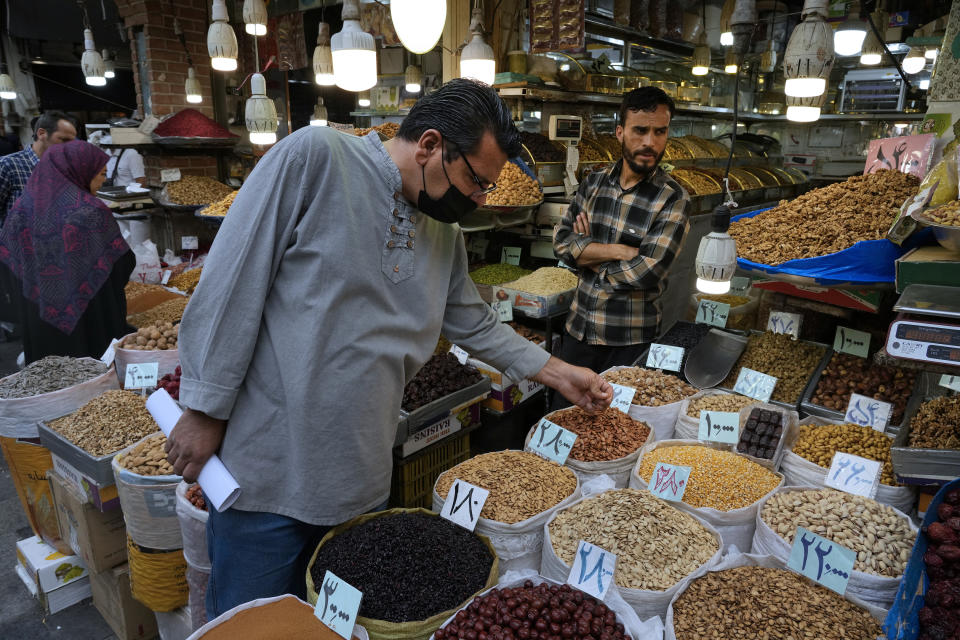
(710, 362)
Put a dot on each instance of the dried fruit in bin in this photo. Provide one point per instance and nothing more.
(440, 376)
(514, 188)
(938, 618)
(170, 382)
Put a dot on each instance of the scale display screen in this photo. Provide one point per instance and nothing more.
(565, 128)
(924, 341)
(929, 333)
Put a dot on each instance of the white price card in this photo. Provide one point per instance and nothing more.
(713, 313)
(459, 353)
(719, 426)
(189, 243)
(169, 175)
(504, 309)
(665, 356)
(740, 284)
(669, 481)
(950, 382)
(856, 343)
(853, 474)
(166, 276)
(867, 412)
(622, 397)
(141, 375)
(755, 384)
(463, 504)
(592, 570)
(510, 255)
(551, 441)
(783, 322)
(821, 560)
(337, 605)
(109, 354)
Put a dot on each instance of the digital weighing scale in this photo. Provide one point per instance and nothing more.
(567, 129)
(927, 326)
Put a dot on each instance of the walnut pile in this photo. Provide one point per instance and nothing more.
(825, 220)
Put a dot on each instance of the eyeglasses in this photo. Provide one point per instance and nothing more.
(482, 191)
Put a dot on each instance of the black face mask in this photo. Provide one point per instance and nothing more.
(450, 207)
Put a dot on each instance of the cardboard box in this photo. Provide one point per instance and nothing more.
(928, 265)
(61, 580)
(99, 538)
(505, 394)
(128, 135)
(102, 497)
(440, 429)
(129, 619)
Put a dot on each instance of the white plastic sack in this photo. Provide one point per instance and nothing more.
(736, 527)
(646, 604)
(166, 359)
(149, 505)
(19, 416)
(688, 428)
(661, 419)
(197, 582)
(800, 472)
(651, 629)
(358, 631)
(879, 591)
(148, 269)
(193, 529)
(736, 559)
(518, 546)
(617, 470)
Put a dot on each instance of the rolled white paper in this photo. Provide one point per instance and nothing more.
(219, 486)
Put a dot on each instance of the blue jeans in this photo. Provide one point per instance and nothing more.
(257, 555)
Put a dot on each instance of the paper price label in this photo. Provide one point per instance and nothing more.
(189, 243)
(719, 426)
(479, 244)
(950, 382)
(510, 255)
(169, 175)
(856, 343)
(783, 322)
(504, 309)
(109, 354)
(664, 356)
(166, 277)
(141, 375)
(551, 441)
(821, 560)
(713, 313)
(592, 570)
(854, 474)
(622, 397)
(337, 605)
(755, 384)
(460, 353)
(463, 504)
(868, 412)
(669, 481)
(740, 284)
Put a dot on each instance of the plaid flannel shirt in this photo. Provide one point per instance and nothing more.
(619, 304)
(15, 170)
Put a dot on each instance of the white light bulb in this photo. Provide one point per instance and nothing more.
(354, 52)
(109, 69)
(804, 87)
(255, 17)
(730, 68)
(798, 113)
(418, 23)
(260, 114)
(221, 40)
(477, 59)
(314, 122)
(700, 71)
(363, 99)
(870, 59)
(192, 87)
(848, 42)
(712, 286)
(930, 54)
(92, 62)
(914, 62)
(925, 84)
(412, 88)
(716, 262)
(726, 39)
(267, 137)
(7, 89)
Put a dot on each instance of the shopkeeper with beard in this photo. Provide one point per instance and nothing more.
(622, 232)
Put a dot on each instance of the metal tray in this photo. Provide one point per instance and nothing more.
(441, 407)
(180, 141)
(94, 468)
(160, 197)
(923, 466)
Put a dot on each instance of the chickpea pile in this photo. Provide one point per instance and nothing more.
(514, 187)
(157, 337)
(818, 445)
(221, 206)
(193, 190)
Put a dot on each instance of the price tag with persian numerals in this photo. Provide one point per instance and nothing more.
(740, 284)
(109, 354)
(141, 375)
(868, 412)
(950, 382)
(169, 175)
(189, 243)
(719, 426)
(783, 322)
(337, 605)
(821, 560)
(592, 570)
(463, 504)
(459, 353)
(504, 309)
(669, 481)
(622, 397)
(854, 474)
(664, 356)
(510, 255)
(551, 441)
(856, 343)
(713, 313)
(755, 384)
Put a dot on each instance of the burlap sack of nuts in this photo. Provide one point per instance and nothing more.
(166, 359)
(149, 502)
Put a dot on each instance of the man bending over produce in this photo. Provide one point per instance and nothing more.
(324, 293)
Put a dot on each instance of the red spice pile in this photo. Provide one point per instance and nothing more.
(190, 123)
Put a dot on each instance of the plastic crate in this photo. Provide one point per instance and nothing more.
(413, 480)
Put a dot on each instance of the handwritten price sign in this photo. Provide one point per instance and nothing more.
(821, 560)
(510, 255)
(755, 384)
(504, 309)
(460, 354)
(740, 284)
(669, 481)
(337, 605)
(622, 397)
(463, 504)
(854, 474)
(950, 382)
(713, 313)
(719, 426)
(141, 375)
(856, 343)
(783, 322)
(592, 570)
(868, 412)
(551, 441)
(664, 356)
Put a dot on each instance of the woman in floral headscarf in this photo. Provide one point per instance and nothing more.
(65, 249)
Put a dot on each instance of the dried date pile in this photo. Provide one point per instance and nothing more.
(825, 220)
(847, 374)
(409, 566)
(50, 374)
(440, 376)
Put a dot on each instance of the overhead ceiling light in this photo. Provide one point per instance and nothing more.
(726, 33)
(872, 52)
(8, 91)
(925, 84)
(418, 23)
(363, 99)
(109, 68)
(260, 113)
(716, 260)
(476, 59)
(914, 61)
(809, 56)
(91, 62)
(354, 52)
(221, 40)
(849, 35)
(805, 109)
(768, 61)
(192, 87)
(319, 118)
(701, 59)
(322, 58)
(255, 17)
(931, 53)
(730, 62)
(413, 79)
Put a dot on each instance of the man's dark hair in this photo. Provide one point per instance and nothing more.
(462, 111)
(49, 121)
(645, 99)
